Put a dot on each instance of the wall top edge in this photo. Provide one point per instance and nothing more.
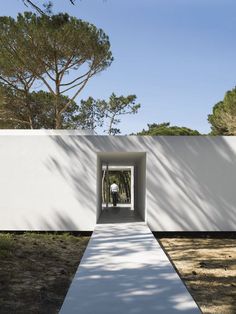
(45, 132)
(28, 132)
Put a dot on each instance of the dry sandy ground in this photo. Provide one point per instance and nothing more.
(208, 268)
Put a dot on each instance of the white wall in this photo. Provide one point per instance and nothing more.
(49, 182)
(141, 167)
(191, 184)
(46, 183)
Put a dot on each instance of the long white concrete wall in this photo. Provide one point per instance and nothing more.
(50, 182)
(45, 184)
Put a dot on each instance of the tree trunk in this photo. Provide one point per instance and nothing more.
(126, 185)
(31, 123)
(111, 124)
(58, 124)
(103, 186)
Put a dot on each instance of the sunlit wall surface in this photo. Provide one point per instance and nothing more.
(51, 181)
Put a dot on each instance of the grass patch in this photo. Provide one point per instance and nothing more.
(6, 244)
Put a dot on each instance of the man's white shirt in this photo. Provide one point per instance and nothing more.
(114, 188)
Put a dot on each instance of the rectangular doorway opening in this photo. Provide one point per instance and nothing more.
(128, 171)
(123, 177)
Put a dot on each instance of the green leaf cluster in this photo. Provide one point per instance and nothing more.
(35, 112)
(98, 113)
(223, 117)
(166, 129)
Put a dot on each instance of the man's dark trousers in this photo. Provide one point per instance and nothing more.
(114, 198)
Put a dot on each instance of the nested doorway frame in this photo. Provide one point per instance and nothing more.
(136, 159)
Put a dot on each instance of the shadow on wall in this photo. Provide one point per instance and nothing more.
(193, 184)
(190, 180)
(61, 222)
(75, 163)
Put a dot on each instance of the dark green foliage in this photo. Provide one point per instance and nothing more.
(123, 180)
(35, 112)
(166, 129)
(44, 49)
(91, 114)
(223, 117)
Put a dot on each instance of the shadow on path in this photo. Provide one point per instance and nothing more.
(124, 270)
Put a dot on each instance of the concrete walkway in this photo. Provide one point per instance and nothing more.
(125, 271)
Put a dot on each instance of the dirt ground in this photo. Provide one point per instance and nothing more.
(208, 268)
(36, 271)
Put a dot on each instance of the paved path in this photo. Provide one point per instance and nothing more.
(125, 271)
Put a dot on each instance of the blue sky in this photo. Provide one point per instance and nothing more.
(177, 56)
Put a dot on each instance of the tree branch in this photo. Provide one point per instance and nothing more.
(75, 95)
(16, 120)
(31, 81)
(11, 84)
(37, 8)
(78, 78)
(66, 66)
(69, 88)
(46, 83)
(49, 75)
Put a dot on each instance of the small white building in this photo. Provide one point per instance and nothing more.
(52, 180)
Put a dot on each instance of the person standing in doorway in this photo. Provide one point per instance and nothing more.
(114, 193)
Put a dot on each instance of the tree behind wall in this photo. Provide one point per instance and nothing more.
(35, 112)
(45, 49)
(107, 113)
(166, 129)
(91, 114)
(223, 117)
(123, 179)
